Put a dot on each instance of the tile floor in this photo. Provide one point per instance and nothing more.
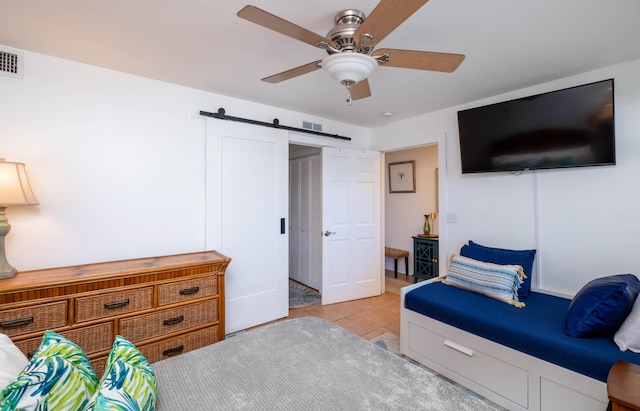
(368, 317)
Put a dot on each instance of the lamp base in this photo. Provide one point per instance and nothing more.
(6, 270)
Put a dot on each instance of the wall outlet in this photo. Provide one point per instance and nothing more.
(452, 218)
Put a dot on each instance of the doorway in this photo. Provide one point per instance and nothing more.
(305, 217)
(404, 212)
(343, 228)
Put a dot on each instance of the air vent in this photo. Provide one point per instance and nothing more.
(11, 63)
(311, 126)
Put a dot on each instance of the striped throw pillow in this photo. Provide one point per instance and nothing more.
(493, 280)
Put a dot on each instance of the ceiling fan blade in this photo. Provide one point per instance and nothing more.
(282, 26)
(385, 18)
(421, 60)
(294, 72)
(360, 90)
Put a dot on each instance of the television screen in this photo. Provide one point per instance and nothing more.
(572, 127)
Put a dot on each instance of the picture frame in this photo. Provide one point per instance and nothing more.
(402, 177)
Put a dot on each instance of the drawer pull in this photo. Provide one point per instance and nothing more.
(116, 304)
(173, 351)
(174, 320)
(459, 347)
(191, 290)
(16, 323)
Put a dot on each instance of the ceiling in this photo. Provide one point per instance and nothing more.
(509, 44)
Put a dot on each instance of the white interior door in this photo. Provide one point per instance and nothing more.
(352, 251)
(246, 197)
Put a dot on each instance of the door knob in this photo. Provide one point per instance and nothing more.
(328, 233)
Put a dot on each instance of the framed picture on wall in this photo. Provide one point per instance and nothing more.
(402, 177)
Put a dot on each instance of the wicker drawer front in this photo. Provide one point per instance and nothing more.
(112, 304)
(178, 345)
(26, 320)
(187, 290)
(91, 339)
(143, 327)
(98, 365)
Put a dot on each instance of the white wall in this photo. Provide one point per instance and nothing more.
(404, 212)
(583, 222)
(116, 161)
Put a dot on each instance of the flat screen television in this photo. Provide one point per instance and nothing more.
(572, 127)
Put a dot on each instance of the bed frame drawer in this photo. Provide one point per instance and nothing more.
(496, 375)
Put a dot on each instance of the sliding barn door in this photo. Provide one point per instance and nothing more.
(246, 211)
(352, 250)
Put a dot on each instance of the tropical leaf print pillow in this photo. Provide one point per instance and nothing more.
(129, 382)
(58, 377)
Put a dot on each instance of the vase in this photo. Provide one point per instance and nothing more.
(427, 227)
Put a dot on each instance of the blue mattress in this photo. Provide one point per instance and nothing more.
(537, 329)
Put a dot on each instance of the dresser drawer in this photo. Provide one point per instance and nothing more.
(146, 326)
(112, 304)
(41, 317)
(98, 364)
(187, 290)
(178, 345)
(91, 339)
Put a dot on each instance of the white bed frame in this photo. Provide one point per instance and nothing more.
(510, 378)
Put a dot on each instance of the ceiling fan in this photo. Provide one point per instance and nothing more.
(350, 45)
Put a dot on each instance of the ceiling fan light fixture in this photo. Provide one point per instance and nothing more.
(349, 67)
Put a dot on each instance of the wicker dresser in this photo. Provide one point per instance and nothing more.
(165, 305)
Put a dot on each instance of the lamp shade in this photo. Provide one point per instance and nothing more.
(14, 185)
(349, 67)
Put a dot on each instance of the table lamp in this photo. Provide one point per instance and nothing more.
(14, 190)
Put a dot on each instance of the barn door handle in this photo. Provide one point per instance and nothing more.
(328, 233)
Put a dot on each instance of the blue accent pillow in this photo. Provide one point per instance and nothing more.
(523, 258)
(602, 305)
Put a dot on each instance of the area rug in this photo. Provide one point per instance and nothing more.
(300, 295)
(389, 342)
(302, 364)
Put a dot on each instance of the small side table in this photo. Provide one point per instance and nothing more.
(425, 257)
(623, 386)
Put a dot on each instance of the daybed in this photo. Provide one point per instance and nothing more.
(520, 358)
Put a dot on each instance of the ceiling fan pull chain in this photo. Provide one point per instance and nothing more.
(349, 99)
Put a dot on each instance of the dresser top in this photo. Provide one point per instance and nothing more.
(65, 276)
